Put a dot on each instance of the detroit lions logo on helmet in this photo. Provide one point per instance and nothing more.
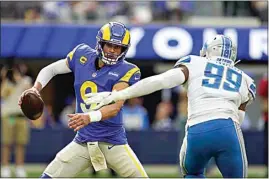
(221, 46)
(113, 33)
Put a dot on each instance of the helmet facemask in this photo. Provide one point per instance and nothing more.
(113, 33)
(110, 58)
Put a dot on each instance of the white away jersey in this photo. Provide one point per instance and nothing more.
(215, 89)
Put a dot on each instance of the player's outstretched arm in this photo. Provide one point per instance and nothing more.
(46, 74)
(168, 79)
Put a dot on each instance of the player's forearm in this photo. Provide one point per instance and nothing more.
(105, 112)
(169, 79)
(48, 72)
(111, 110)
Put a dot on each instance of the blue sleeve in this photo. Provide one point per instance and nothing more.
(132, 76)
(135, 78)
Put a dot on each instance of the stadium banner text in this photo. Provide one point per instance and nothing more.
(149, 42)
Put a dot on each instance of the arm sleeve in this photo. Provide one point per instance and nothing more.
(48, 72)
(166, 80)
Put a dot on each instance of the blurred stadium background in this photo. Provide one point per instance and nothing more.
(34, 34)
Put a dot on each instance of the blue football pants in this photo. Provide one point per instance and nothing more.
(219, 138)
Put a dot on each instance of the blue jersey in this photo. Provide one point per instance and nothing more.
(88, 79)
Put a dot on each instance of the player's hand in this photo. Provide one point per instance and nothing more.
(100, 99)
(78, 120)
(95, 98)
(108, 100)
(33, 89)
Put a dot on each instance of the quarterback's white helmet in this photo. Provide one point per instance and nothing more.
(221, 46)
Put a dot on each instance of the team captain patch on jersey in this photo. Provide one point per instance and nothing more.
(81, 61)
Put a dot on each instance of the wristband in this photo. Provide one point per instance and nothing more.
(95, 116)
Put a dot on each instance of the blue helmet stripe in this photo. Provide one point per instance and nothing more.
(117, 31)
(230, 47)
(223, 46)
(226, 53)
(226, 50)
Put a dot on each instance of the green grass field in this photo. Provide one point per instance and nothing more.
(154, 171)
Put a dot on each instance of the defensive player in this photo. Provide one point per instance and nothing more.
(217, 93)
(101, 144)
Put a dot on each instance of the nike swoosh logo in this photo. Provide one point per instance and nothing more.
(110, 147)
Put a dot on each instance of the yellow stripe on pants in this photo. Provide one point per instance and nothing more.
(137, 164)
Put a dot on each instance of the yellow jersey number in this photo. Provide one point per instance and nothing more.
(83, 88)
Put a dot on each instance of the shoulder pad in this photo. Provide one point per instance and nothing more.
(80, 50)
(83, 48)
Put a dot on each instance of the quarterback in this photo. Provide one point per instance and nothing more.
(218, 94)
(101, 143)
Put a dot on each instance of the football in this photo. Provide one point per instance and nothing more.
(32, 105)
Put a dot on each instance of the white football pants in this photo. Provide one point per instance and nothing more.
(75, 158)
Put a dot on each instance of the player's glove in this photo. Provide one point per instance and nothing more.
(101, 99)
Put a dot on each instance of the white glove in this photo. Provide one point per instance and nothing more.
(101, 99)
